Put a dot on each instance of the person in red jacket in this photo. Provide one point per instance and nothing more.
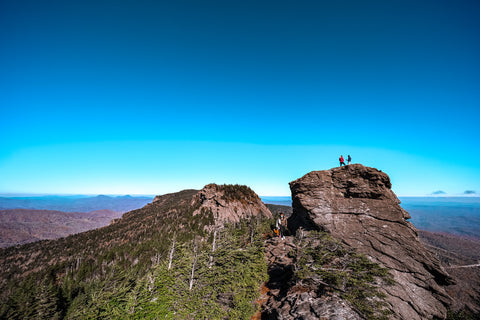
(342, 161)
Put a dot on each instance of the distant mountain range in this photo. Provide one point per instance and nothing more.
(32, 218)
(75, 203)
(76, 213)
(454, 215)
(19, 226)
(442, 193)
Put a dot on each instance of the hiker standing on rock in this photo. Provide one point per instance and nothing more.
(281, 225)
(349, 159)
(342, 161)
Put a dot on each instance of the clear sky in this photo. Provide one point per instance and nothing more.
(150, 97)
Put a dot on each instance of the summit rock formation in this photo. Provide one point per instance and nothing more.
(355, 204)
(229, 203)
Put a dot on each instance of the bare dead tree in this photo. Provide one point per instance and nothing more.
(214, 246)
(156, 258)
(252, 229)
(193, 265)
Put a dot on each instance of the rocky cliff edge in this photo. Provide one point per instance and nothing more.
(356, 205)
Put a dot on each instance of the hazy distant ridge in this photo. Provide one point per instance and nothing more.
(19, 226)
(75, 204)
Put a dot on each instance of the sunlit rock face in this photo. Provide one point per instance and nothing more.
(229, 203)
(356, 205)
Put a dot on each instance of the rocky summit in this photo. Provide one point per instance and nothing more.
(355, 205)
(229, 203)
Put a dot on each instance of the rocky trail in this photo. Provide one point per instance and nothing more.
(280, 271)
(280, 266)
(283, 298)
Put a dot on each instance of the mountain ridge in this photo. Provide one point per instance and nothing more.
(20, 226)
(205, 254)
(75, 203)
(147, 255)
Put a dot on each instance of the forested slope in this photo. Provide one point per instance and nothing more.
(161, 261)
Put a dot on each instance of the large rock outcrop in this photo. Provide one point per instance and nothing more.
(356, 205)
(229, 203)
(288, 298)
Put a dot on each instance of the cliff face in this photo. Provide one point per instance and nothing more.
(356, 206)
(229, 203)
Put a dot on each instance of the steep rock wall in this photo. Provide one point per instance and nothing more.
(356, 205)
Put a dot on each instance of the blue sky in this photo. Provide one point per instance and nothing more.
(149, 97)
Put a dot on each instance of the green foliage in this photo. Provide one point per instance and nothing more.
(237, 192)
(226, 280)
(226, 283)
(462, 315)
(121, 271)
(353, 276)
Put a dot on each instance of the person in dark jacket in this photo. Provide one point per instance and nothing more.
(349, 159)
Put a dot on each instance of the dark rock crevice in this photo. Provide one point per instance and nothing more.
(290, 298)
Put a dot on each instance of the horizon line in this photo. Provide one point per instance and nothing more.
(32, 194)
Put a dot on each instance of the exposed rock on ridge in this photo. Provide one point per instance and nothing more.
(356, 205)
(229, 203)
(288, 297)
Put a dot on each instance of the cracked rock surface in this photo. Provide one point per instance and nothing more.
(356, 205)
(288, 299)
(214, 199)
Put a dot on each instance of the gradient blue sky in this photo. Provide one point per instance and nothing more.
(150, 97)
